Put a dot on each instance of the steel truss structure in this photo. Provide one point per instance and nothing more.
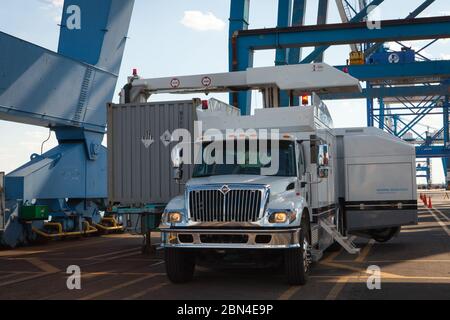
(400, 95)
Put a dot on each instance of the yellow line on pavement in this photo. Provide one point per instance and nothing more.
(109, 254)
(44, 266)
(337, 288)
(64, 246)
(342, 281)
(8, 276)
(120, 286)
(399, 260)
(359, 270)
(113, 258)
(7, 283)
(16, 253)
(289, 293)
(333, 256)
(365, 252)
(359, 279)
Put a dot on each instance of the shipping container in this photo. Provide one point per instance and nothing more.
(139, 151)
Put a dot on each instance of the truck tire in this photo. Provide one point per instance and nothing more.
(297, 261)
(180, 265)
(384, 235)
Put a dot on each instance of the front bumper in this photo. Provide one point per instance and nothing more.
(230, 239)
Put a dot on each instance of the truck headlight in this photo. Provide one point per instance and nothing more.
(282, 217)
(278, 217)
(174, 217)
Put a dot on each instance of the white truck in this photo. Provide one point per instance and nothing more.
(327, 183)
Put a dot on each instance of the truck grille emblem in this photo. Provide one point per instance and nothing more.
(225, 189)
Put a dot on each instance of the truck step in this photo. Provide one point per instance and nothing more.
(316, 255)
(345, 242)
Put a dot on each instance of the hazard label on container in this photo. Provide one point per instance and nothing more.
(175, 83)
(206, 81)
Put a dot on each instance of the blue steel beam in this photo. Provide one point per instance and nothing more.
(391, 92)
(381, 115)
(425, 110)
(282, 55)
(298, 19)
(417, 72)
(284, 20)
(318, 52)
(342, 33)
(412, 15)
(239, 20)
(446, 133)
(432, 152)
(411, 129)
(322, 16)
(245, 42)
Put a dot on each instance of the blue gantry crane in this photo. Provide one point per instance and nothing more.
(66, 92)
(402, 88)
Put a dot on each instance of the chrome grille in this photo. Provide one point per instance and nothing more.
(235, 205)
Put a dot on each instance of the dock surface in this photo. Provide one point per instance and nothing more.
(415, 265)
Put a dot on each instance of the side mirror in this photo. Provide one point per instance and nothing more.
(178, 173)
(177, 160)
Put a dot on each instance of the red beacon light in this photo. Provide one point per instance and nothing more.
(135, 72)
(305, 100)
(205, 105)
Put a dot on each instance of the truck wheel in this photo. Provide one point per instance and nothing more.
(384, 235)
(180, 265)
(298, 260)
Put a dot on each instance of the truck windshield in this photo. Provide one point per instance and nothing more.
(248, 160)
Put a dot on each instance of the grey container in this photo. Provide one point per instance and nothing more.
(140, 175)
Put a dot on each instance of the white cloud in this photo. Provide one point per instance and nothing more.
(200, 21)
(53, 9)
(58, 4)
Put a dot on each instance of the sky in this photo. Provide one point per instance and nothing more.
(182, 37)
